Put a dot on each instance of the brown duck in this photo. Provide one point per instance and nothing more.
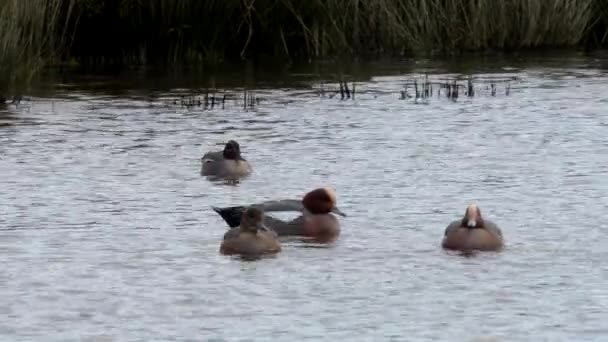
(251, 238)
(473, 232)
(316, 221)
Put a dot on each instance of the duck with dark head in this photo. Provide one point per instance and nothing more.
(473, 232)
(228, 163)
(252, 238)
(316, 221)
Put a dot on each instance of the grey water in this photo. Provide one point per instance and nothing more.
(106, 230)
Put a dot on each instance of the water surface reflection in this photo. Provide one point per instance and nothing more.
(106, 219)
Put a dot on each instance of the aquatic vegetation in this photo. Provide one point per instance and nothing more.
(453, 88)
(211, 99)
(598, 34)
(31, 34)
(193, 33)
(417, 88)
(174, 31)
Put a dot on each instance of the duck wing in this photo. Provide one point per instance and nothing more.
(213, 156)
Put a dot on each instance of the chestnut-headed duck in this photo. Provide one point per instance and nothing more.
(228, 163)
(251, 238)
(473, 232)
(315, 222)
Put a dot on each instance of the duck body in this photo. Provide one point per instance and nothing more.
(249, 244)
(228, 163)
(473, 232)
(314, 222)
(251, 238)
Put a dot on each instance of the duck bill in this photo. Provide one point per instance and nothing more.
(337, 211)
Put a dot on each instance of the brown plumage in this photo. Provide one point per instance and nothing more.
(251, 238)
(316, 221)
(473, 232)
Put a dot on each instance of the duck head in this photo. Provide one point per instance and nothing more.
(252, 220)
(321, 201)
(232, 150)
(472, 217)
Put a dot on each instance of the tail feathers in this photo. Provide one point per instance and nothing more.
(232, 215)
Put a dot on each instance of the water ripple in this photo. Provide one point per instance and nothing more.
(105, 219)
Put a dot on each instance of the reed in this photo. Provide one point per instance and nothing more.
(30, 34)
(193, 31)
(172, 33)
(598, 35)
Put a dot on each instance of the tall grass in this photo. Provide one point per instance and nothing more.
(176, 31)
(198, 32)
(30, 33)
(598, 35)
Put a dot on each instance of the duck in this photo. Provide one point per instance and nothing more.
(251, 238)
(228, 163)
(315, 222)
(473, 232)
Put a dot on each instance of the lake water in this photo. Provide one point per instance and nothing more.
(106, 230)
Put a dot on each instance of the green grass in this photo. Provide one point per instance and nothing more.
(174, 33)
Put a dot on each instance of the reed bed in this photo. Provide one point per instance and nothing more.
(174, 33)
(30, 35)
(193, 31)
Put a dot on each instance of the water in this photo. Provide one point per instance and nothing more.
(107, 232)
